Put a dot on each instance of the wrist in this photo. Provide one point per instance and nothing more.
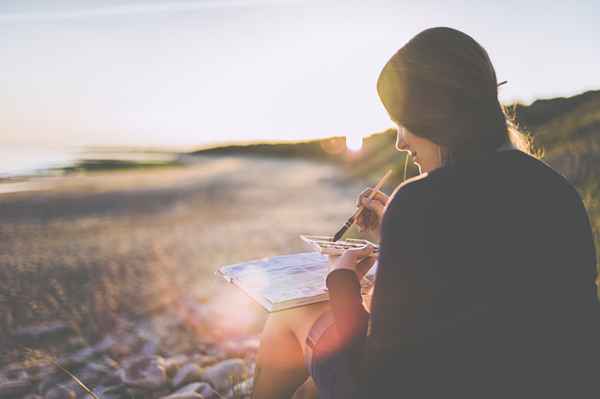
(338, 268)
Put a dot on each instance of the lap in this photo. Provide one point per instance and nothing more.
(327, 361)
(301, 319)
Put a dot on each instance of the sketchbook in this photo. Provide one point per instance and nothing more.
(286, 281)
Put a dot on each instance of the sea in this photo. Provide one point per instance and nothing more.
(24, 168)
(21, 161)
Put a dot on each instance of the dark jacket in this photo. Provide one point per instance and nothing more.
(484, 289)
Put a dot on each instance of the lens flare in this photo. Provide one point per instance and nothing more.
(354, 142)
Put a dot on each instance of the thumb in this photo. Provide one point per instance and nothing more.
(373, 204)
(361, 252)
(364, 266)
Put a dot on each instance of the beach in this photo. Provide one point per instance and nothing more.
(101, 268)
(109, 242)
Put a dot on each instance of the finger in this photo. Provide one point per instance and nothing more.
(361, 252)
(331, 259)
(365, 265)
(366, 202)
(364, 194)
(362, 221)
(374, 205)
(369, 219)
(379, 195)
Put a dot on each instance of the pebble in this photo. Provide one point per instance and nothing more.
(205, 360)
(241, 391)
(60, 392)
(109, 392)
(98, 373)
(147, 373)
(51, 381)
(190, 372)
(41, 332)
(173, 364)
(123, 346)
(84, 355)
(127, 364)
(14, 382)
(226, 374)
(197, 390)
(242, 348)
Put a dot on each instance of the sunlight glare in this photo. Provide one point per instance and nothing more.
(354, 142)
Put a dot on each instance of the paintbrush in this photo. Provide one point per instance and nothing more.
(354, 217)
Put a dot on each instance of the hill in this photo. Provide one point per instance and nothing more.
(566, 130)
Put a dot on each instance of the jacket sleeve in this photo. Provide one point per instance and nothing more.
(351, 318)
(403, 283)
(401, 254)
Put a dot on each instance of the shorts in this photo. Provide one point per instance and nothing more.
(327, 362)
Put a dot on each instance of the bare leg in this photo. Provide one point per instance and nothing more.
(308, 390)
(280, 367)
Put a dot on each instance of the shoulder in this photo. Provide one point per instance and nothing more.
(418, 192)
(544, 177)
(412, 190)
(409, 201)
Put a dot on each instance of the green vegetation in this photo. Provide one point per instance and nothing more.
(97, 165)
(567, 130)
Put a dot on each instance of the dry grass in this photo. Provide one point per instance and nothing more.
(104, 244)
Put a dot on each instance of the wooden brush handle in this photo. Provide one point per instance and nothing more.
(377, 187)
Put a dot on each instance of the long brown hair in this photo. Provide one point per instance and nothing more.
(442, 85)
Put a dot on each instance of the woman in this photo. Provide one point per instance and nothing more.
(485, 280)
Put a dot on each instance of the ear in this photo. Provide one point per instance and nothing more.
(443, 153)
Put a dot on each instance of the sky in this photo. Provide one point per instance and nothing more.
(190, 73)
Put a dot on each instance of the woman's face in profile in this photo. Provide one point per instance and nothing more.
(425, 153)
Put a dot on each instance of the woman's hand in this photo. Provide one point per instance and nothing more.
(356, 259)
(370, 218)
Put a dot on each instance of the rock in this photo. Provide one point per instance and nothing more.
(149, 348)
(97, 373)
(174, 363)
(191, 372)
(60, 392)
(146, 373)
(205, 360)
(15, 382)
(75, 343)
(33, 396)
(80, 357)
(51, 382)
(242, 390)
(242, 348)
(108, 392)
(215, 352)
(104, 344)
(76, 388)
(42, 371)
(123, 346)
(84, 355)
(226, 374)
(42, 332)
(197, 390)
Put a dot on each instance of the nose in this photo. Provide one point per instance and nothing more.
(401, 143)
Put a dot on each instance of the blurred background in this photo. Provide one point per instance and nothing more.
(145, 143)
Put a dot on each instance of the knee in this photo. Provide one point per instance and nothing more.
(290, 320)
(276, 323)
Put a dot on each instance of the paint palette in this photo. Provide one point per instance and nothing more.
(326, 245)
